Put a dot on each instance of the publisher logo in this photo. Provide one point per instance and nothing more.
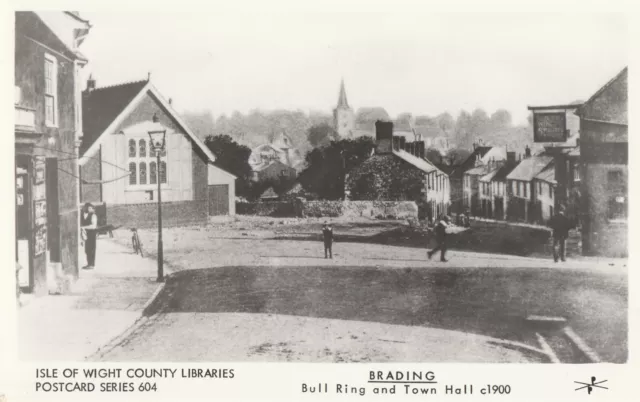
(589, 387)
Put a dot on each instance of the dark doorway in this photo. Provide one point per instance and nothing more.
(53, 216)
(219, 199)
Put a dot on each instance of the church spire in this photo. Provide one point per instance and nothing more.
(342, 99)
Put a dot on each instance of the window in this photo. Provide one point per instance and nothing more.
(576, 172)
(143, 173)
(163, 172)
(50, 90)
(153, 173)
(514, 188)
(133, 177)
(143, 167)
(617, 190)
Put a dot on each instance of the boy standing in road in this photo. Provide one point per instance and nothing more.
(441, 238)
(327, 235)
(560, 225)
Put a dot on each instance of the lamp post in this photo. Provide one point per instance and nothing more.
(157, 134)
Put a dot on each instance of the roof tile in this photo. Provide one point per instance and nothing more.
(101, 106)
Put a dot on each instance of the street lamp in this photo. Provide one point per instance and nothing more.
(157, 134)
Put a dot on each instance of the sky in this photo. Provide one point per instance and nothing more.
(424, 64)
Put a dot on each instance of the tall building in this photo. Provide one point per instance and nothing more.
(604, 157)
(343, 116)
(48, 132)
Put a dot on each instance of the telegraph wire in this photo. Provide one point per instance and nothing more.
(76, 157)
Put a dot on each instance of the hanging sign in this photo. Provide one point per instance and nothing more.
(550, 127)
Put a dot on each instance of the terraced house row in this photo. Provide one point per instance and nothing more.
(583, 169)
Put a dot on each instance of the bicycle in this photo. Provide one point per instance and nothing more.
(136, 243)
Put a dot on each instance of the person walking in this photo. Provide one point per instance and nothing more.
(441, 239)
(560, 225)
(327, 235)
(88, 226)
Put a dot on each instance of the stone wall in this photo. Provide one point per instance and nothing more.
(365, 209)
(269, 208)
(333, 209)
(146, 215)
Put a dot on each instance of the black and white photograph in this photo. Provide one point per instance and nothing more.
(329, 187)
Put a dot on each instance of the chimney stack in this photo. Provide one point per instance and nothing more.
(421, 150)
(91, 83)
(170, 101)
(402, 143)
(384, 137)
(527, 152)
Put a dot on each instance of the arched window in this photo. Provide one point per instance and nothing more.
(153, 173)
(163, 172)
(141, 158)
(132, 172)
(143, 148)
(143, 173)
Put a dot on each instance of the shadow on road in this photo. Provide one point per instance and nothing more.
(489, 301)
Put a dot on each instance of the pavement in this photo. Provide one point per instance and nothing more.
(102, 304)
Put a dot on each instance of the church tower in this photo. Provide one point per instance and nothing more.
(343, 116)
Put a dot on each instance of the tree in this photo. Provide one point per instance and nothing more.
(233, 158)
(500, 119)
(462, 132)
(433, 155)
(445, 122)
(321, 135)
(201, 123)
(327, 166)
(456, 156)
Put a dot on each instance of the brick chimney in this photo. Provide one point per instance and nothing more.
(421, 149)
(384, 137)
(527, 152)
(511, 158)
(409, 147)
(403, 142)
(91, 83)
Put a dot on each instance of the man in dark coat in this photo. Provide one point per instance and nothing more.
(560, 225)
(327, 236)
(88, 225)
(441, 238)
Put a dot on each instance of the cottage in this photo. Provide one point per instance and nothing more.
(47, 133)
(273, 170)
(493, 194)
(476, 195)
(119, 168)
(604, 171)
(381, 176)
(520, 188)
(456, 177)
